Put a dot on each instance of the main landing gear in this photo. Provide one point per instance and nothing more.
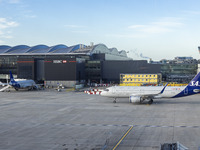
(115, 100)
(150, 101)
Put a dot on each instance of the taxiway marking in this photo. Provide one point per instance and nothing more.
(101, 125)
(123, 137)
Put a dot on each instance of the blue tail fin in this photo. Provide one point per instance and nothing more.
(192, 88)
(12, 82)
(195, 81)
(11, 77)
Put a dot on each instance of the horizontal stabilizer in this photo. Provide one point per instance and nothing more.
(4, 88)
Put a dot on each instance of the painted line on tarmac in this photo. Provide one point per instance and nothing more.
(123, 137)
(115, 125)
(97, 125)
(158, 126)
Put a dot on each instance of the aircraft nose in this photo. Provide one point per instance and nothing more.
(102, 93)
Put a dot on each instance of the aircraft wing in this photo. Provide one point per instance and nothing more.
(135, 98)
(145, 96)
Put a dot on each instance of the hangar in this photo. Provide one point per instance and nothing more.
(78, 64)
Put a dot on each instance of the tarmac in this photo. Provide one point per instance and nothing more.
(51, 120)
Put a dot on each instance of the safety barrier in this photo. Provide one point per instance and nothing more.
(93, 92)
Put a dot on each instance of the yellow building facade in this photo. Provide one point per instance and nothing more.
(139, 79)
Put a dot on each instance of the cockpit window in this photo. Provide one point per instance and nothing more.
(106, 90)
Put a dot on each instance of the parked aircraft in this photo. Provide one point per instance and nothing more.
(141, 93)
(3, 84)
(20, 84)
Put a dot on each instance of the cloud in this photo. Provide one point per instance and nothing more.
(4, 23)
(30, 16)
(192, 12)
(74, 26)
(79, 31)
(163, 25)
(136, 26)
(1, 42)
(126, 35)
(136, 54)
(5, 27)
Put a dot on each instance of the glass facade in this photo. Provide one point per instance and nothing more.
(93, 71)
(8, 63)
(181, 73)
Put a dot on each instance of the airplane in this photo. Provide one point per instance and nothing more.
(3, 84)
(20, 84)
(140, 94)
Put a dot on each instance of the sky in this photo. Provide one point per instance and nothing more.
(156, 29)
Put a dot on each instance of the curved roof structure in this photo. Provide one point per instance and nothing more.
(4, 48)
(53, 49)
(38, 48)
(101, 48)
(17, 49)
(62, 49)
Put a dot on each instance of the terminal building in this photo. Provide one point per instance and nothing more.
(180, 69)
(78, 64)
(140, 79)
(82, 64)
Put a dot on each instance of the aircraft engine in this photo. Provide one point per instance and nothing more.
(135, 99)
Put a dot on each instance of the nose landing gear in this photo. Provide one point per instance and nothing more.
(115, 100)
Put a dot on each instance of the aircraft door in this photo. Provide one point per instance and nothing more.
(186, 91)
(113, 90)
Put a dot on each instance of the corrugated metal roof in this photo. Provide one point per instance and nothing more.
(4, 48)
(60, 49)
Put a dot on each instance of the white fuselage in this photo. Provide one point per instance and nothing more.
(24, 84)
(127, 91)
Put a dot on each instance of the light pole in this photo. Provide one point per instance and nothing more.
(7, 78)
(198, 70)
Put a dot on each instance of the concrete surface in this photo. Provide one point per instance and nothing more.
(51, 120)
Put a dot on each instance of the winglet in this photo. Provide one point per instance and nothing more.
(163, 88)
